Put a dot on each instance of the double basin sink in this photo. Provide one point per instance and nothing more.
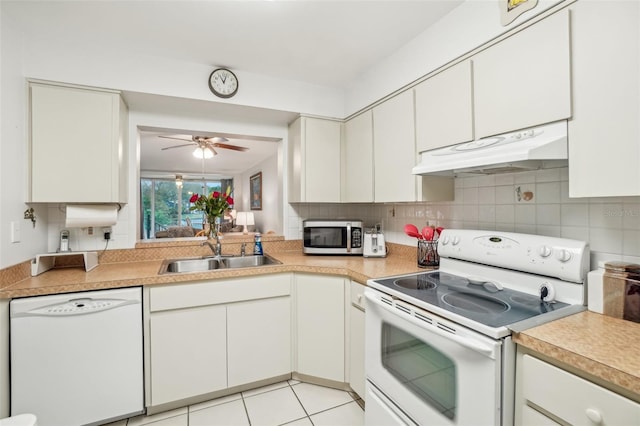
(203, 264)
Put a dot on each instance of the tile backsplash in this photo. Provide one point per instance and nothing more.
(535, 202)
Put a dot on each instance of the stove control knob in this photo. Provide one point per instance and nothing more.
(544, 251)
(547, 292)
(456, 240)
(563, 255)
(445, 241)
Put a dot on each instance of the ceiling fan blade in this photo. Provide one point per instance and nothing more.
(232, 147)
(178, 139)
(217, 139)
(177, 146)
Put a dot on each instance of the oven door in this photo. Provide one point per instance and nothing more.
(435, 371)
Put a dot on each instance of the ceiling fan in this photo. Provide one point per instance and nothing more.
(205, 147)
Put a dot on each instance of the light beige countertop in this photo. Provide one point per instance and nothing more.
(599, 347)
(133, 268)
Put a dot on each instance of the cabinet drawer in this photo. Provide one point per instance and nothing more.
(205, 293)
(573, 399)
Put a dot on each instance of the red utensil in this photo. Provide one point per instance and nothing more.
(412, 231)
(427, 233)
(439, 230)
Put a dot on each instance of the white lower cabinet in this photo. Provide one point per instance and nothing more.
(208, 336)
(259, 340)
(188, 353)
(356, 340)
(320, 326)
(546, 394)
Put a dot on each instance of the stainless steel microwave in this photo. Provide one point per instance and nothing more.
(329, 236)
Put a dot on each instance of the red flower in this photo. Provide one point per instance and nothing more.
(193, 198)
(230, 201)
(215, 194)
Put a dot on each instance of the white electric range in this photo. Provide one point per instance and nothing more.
(439, 347)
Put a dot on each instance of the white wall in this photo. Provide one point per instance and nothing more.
(154, 75)
(267, 219)
(13, 155)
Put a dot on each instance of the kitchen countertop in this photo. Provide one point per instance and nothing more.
(145, 272)
(599, 347)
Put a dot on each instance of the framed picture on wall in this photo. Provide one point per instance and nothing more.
(255, 191)
(511, 9)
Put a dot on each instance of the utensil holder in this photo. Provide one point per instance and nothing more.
(428, 254)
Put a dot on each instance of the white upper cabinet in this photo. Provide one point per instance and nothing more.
(524, 80)
(394, 148)
(314, 160)
(357, 155)
(78, 145)
(444, 108)
(604, 133)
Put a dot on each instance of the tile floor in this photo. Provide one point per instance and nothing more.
(287, 403)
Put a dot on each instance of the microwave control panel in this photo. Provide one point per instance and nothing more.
(356, 237)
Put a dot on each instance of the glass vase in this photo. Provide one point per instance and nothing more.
(214, 222)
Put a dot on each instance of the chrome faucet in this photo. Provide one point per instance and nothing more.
(243, 249)
(216, 249)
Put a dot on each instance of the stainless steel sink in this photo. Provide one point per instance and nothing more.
(172, 266)
(248, 261)
(190, 265)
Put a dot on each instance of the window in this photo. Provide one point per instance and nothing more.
(163, 204)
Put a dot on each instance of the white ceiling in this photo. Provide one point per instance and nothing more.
(323, 42)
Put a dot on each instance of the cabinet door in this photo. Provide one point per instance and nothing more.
(394, 149)
(357, 152)
(444, 108)
(604, 133)
(259, 340)
(188, 353)
(315, 160)
(320, 326)
(524, 80)
(356, 347)
(76, 145)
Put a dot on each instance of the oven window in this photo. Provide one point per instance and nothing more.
(424, 370)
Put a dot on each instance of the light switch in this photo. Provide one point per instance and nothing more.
(15, 232)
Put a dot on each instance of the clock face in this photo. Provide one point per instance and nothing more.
(223, 83)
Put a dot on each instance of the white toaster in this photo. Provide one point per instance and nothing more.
(374, 245)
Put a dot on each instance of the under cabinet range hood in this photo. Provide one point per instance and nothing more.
(529, 149)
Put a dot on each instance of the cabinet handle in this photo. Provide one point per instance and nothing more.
(594, 415)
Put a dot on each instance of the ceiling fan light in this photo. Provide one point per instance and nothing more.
(203, 153)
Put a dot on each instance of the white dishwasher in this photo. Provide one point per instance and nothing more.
(76, 358)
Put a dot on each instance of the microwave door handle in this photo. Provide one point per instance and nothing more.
(348, 237)
(463, 341)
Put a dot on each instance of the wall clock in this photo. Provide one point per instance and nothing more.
(223, 83)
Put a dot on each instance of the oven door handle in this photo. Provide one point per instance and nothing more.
(463, 341)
